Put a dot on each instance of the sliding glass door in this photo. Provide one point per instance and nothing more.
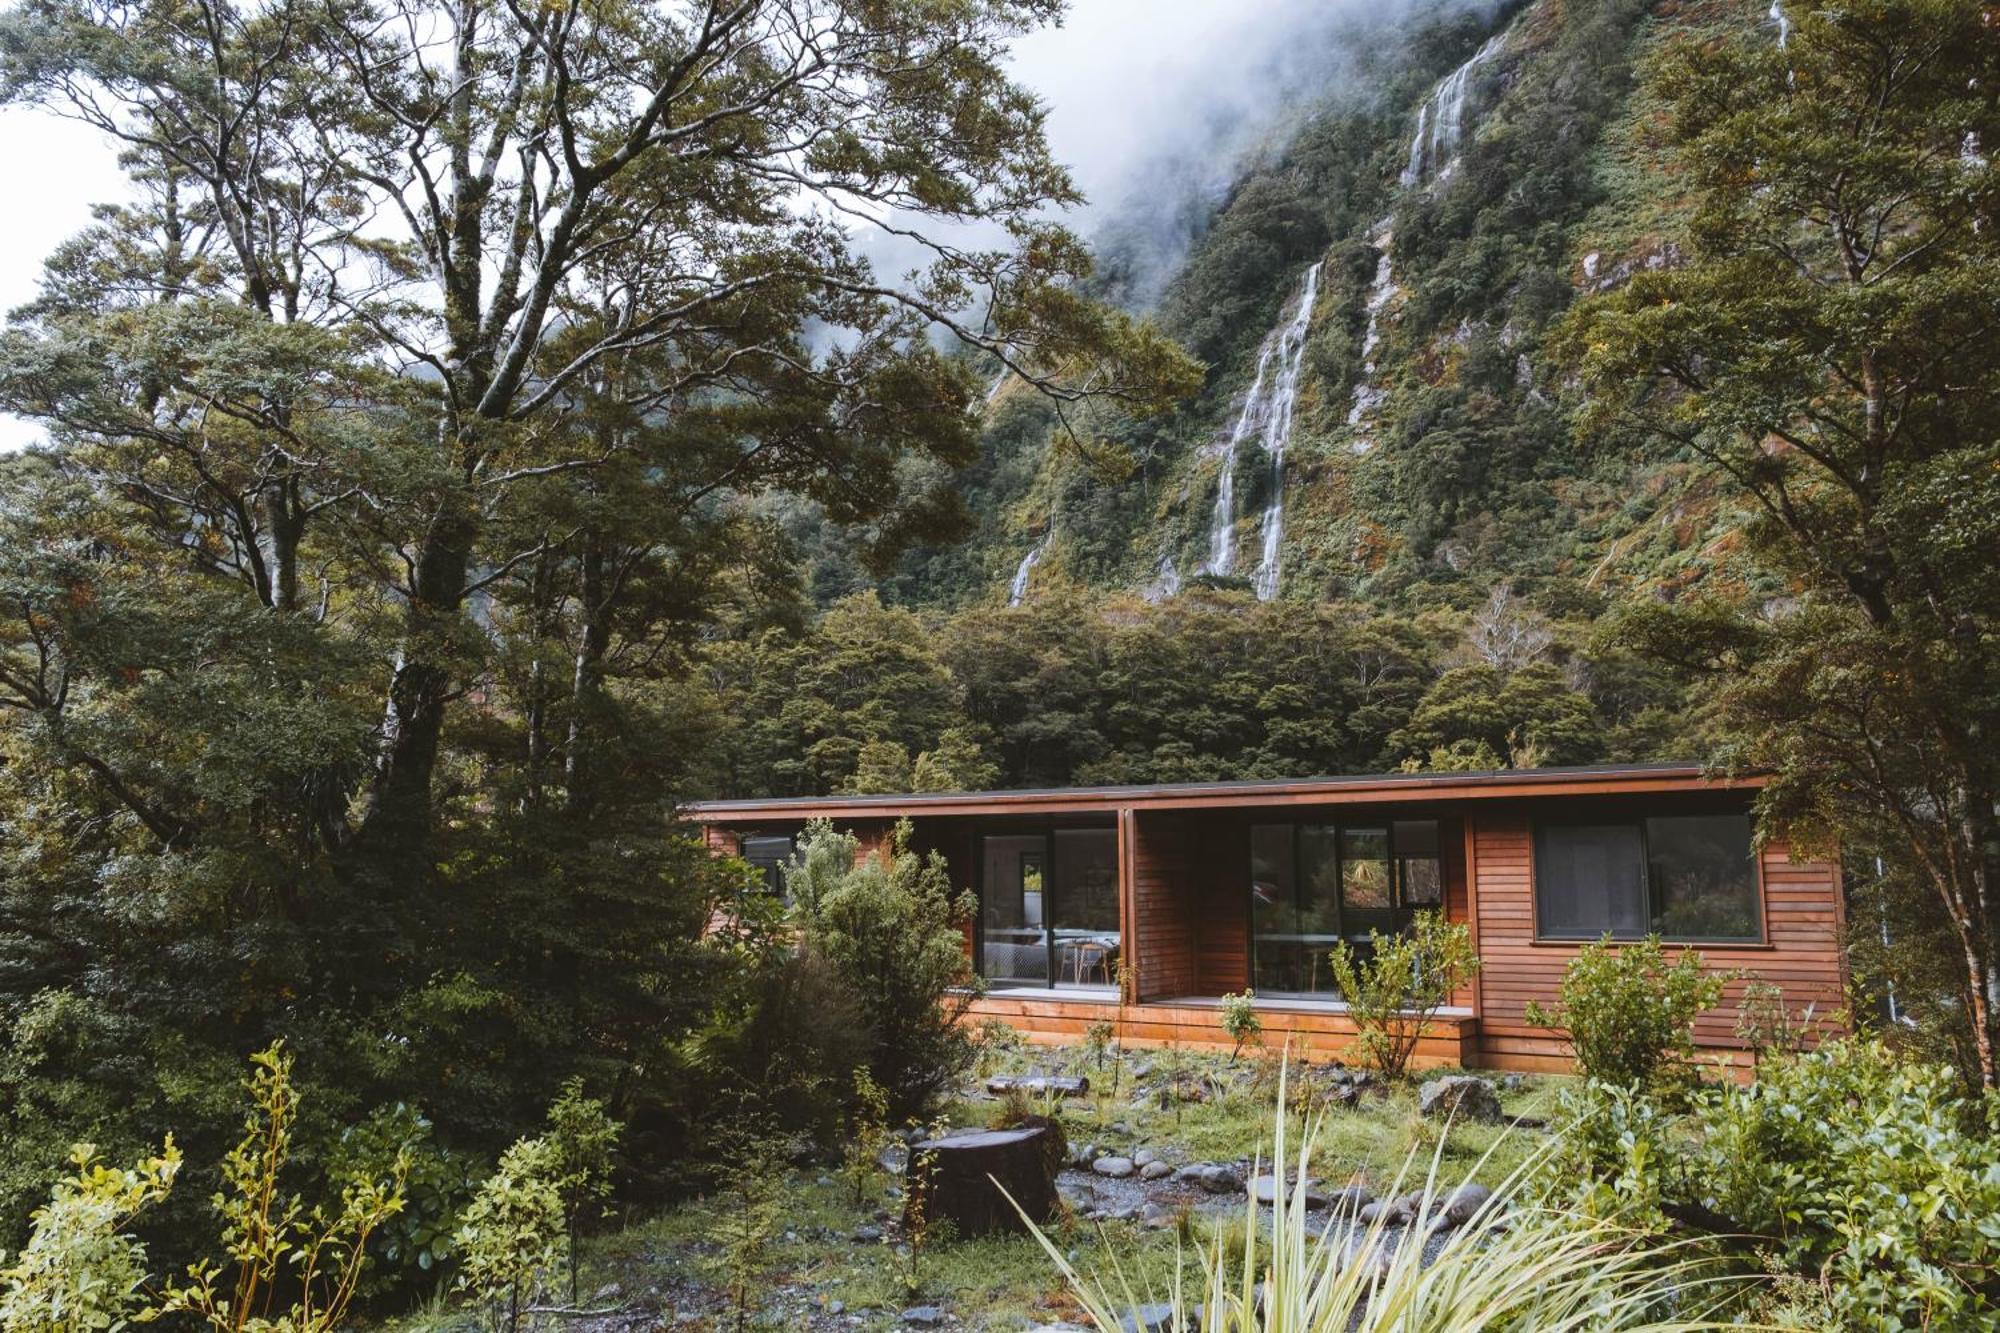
(1314, 885)
(1049, 908)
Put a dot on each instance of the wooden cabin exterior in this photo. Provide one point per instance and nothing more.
(1142, 906)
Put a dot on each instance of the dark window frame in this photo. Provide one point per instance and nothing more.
(1400, 905)
(1046, 830)
(1641, 823)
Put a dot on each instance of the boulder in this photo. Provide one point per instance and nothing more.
(1116, 1167)
(1266, 1190)
(951, 1176)
(1351, 1199)
(1460, 1206)
(1460, 1096)
(1155, 1170)
(1220, 1179)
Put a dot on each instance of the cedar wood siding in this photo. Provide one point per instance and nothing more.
(1802, 953)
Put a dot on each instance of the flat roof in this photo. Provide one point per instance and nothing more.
(1596, 780)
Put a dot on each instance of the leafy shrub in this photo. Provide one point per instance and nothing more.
(437, 1184)
(1393, 997)
(893, 929)
(1869, 1175)
(1628, 1013)
(274, 1241)
(1767, 1026)
(1240, 1021)
(513, 1243)
(81, 1271)
(583, 1138)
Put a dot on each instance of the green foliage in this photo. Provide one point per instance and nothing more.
(583, 1138)
(277, 1247)
(513, 1241)
(437, 1184)
(754, 1173)
(82, 1270)
(1868, 1174)
(1820, 362)
(1628, 1014)
(893, 929)
(1240, 1021)
(867, 1135)
(1515, 1263)
(1394, 992)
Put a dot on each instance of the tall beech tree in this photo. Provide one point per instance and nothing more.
(405, 424)
(1829, 347)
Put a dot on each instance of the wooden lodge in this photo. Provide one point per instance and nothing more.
(1142, 906)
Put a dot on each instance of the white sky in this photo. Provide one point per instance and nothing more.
(1124, 79)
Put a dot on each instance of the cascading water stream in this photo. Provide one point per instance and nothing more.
(1441, 119)
(1267, 411)
(1278, 433)
(1367, 394)
(1018, 588)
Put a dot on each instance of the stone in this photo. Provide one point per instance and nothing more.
(1155, 1170)
(867, 1235)
(1084, 1155)
(956, 1177)
(1351, 1199)
(836, 1307)
(1461, 1097)
(1147, 1319)
(1265, 1188)
(1461, 1206)
(924, 1316)
(1372, 1251)
(1220, 1179)
(895, 1159)
(1157, 1214)
(1116, 1167)
(1145, 1157)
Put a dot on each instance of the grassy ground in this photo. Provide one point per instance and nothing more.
(832, 1263)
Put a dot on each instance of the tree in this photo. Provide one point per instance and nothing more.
(1827, 348)
(407, 430)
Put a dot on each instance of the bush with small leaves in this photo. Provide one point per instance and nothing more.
(1629, 1013)
(82, 1271)
(514, 1242)
(1240, 1021)
(1393, 996)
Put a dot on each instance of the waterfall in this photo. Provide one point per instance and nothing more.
(999, 382)
(1268, 412)
(1278, 433)
(1777, 15)
(1441, 119)
(1367, 394)
(1018, 588)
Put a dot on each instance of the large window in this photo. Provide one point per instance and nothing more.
(1683, 877)
(1049, 908)
(769, 853)
(1313, 885)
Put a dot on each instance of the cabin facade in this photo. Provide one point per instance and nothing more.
(1143, 906)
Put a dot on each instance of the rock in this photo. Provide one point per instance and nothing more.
(1084, 1155)
(1145, 1157)
(1460, 1206)
(924, 1316)
(1155, 1171)
(836, 1307)
(1116, 1167)
(1147, 1319)
(1220, 1179)
(1351, 1199)
(895, 1159)
(1371, 1251)
(867, 1235)
(955, 1177)
(610, 1291)
(1039, 1086)
(1461, 1097)
(1157, 1214)
(1511, 1083)
(1266, 1190)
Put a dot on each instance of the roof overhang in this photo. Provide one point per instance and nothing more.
(1509, 784)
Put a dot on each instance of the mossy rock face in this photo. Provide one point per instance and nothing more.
(959, 1179)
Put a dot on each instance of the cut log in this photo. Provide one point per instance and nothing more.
(952, 1179)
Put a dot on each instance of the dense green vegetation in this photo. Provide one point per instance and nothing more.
(377, 598)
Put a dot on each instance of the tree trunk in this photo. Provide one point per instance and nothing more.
(960, 1178)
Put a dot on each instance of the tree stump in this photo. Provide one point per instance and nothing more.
(948, 1180)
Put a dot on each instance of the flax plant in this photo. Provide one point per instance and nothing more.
(1515, 1264)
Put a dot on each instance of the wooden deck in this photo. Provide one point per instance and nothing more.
(1317, 1030)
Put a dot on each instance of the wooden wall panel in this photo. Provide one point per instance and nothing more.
(1160, 937)
(1222, 897)
(1802, 954)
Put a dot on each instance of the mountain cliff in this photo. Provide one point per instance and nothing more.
(1382, 422)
